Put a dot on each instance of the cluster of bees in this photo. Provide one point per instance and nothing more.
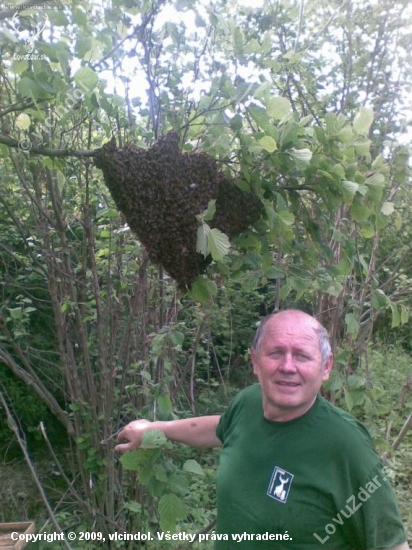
(161, 190)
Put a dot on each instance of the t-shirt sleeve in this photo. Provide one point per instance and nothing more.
(370, 516)
(224, 422)
(376, 513)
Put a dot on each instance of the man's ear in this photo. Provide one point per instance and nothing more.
(254, 361)
(327, 368)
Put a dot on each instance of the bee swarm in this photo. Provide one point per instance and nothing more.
(161, 190)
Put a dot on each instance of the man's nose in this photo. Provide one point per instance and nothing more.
(288, 363)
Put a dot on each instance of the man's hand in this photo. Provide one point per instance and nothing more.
(130, 438)
(199, 431)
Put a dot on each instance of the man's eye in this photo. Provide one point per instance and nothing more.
(276, 354)
(302, 356)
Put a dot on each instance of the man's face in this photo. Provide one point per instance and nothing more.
(289, 366)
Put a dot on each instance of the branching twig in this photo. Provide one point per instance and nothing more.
(402, 433)
(205, 530)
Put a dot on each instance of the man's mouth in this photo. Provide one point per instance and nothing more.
(287, 384)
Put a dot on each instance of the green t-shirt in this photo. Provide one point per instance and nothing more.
(315, 480)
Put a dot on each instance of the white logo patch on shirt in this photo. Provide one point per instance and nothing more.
(280, 485)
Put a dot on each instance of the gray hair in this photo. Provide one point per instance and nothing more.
(322, 334)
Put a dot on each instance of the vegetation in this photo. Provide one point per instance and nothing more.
(305, 107)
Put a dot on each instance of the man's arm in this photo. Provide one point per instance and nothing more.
(199, 431)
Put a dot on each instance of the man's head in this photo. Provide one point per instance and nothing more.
(291, 357)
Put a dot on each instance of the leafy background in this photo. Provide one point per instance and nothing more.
(306, 105)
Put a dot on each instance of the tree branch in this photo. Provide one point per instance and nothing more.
(35, 150)
(47, 398)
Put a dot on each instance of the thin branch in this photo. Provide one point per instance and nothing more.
(38, 387)
(302, 11)
(14, 428)
(192, 359)
(402, 433)
(35, 150)
(323, 29)
(137, 31)
(19, 106)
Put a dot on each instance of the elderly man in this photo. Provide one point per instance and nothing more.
(295, 472)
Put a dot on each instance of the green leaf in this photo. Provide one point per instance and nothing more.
(164, 407)
(160, 473)
(345, 135)
(363, 147)
(23, 121)
(262, 89)
(360, 212)
(350, 186)
(375, 179)
(274, 272)
(179, 484)
(15, 313)
(86, 78)
(176, 337)
(202, 239)
(302, 155)
(268, 144)
(236, 123)
(379, 299)
(352, 324)
(336, 381)
(334, 289)
(368, 405)
(193, 467)
(202, 290)
(286, 218)
(260, 116)
(238, 40)
(210, 211)
(348, 400)
(278, 107)
(171, 510)
(285, 290)
(396, 317)
(153, 439)
(133, 506)
(363, 121)
(356, 381)
(29, 88)
(83, 46)
(367, 231)
(219, 244)
(131, 461)
(387, 208)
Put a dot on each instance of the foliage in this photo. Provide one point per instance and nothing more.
(303, 105)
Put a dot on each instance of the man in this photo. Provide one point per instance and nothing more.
(295, 472)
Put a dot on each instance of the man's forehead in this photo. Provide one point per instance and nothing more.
(293, 321)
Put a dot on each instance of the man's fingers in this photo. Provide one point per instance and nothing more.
(123, 447)
(121, 436)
